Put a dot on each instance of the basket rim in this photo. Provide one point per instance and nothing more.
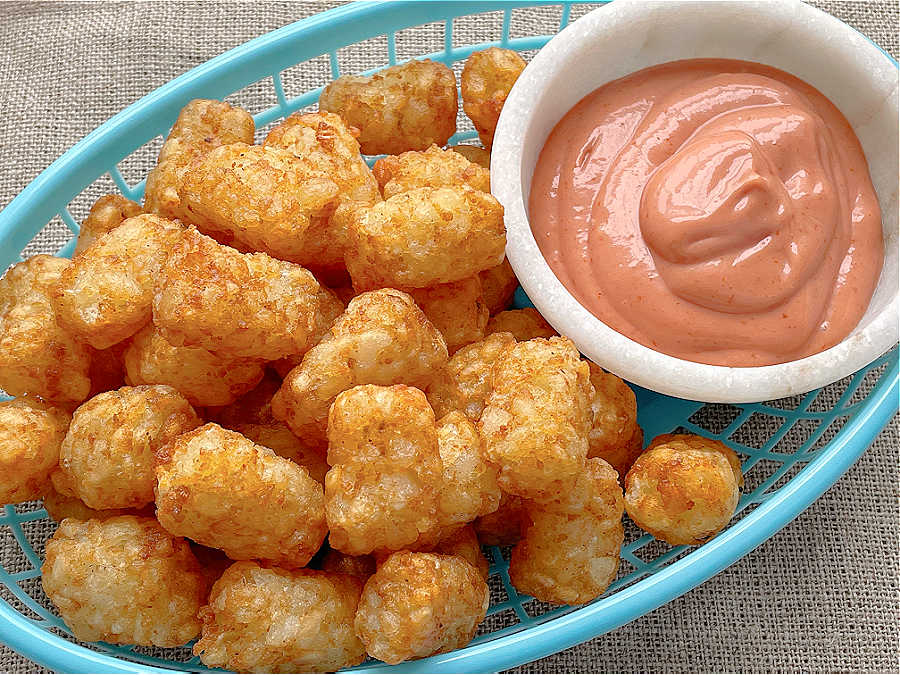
(532, 642)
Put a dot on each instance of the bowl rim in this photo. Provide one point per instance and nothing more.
(614, 351)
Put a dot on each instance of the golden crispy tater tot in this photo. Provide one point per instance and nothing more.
(279, 438)
(405, 107)
(107, 455)
(325, 142)
(106, 294)
(524, 324)
(498, 285)
(465, 383)
(264, 197)
(431, 168)
(419, 604)
(223, 490)
(124, 580)
(683, 489)
(486, 80)
(360, 566)
(106, 214)
(456, 310)
(469, 483)
(235, 304)
(381, 338)
(31, 432)
(382, 489)
(503, 527)
(279, 621)
(474, 154)
(424, 237)
(614, 430)
(38, 356)
(537, 417)
(464, 543)
(569, 552)
(202, 377)
(201, 126)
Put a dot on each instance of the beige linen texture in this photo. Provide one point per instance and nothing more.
(820, 596)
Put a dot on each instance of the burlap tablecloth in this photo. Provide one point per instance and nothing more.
(819, 596)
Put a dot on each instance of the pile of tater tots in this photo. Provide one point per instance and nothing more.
(281, 406)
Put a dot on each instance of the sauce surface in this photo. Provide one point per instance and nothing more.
(715, 210)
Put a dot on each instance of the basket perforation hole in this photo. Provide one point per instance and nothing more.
(416, 41)
(10, 599)
(81, 204)
(788, 403)
(652, 550)
(306, 76)
(529, 21)
(255, 97)
(799, 433)
(497, 590)
(35, 590)
(477, 28)
(498, 621)
(789, 474)
(135, 167)
(828, 397)
(579, 9)
(868, 383)
(536, 609)
(756, 430)
(363, 56)
(757, 474)
(180, 654)
(37, 532)
(28, 507)
(51, 238)
(715, 417)
(829, 433)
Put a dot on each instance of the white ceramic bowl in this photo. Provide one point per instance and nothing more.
(628, 35)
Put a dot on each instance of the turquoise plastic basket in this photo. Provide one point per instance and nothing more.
(811, 439)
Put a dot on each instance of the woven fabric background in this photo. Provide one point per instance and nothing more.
(820, 596)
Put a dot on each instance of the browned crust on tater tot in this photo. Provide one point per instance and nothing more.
(202, 125)
(486, 81)
(105, 215)
(430, 168)
(404, 107)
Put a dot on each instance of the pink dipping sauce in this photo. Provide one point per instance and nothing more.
(719, 211)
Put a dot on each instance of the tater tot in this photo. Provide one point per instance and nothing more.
(465, 383)
(382, 489)
(31, 432)
(503, 527)
(105, 215)
(279, 438)
(264, 197)
(240, 305)
(683, 489)
(419, 604)
(425, 236)
(486, 81)
(124, 580)
(324, 141)
(456, 310)
(222, 490)
(432, 168)
(106, 294)
(202, 377)
(360, 566)
(569, 552)
(38, 356)
(474, 154)
(330, 308)
(524, 324)
(537, 417)
(201, 126)
(279, 621)
(614, 430)
(404, 107)
(381, 338)
(107, 454)
(469, 483)
(498, 285)
(464, 543)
